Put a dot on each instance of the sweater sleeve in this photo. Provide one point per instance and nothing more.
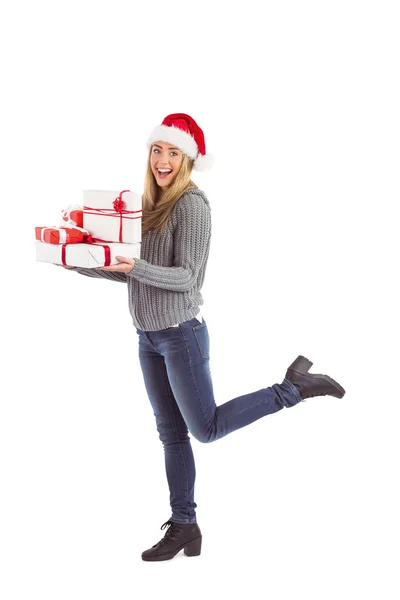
(191, 240)
(113, 275)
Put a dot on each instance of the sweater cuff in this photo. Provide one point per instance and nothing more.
(139, 270)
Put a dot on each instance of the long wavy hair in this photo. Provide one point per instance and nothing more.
(157, 202)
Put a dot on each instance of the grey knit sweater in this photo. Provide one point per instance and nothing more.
(164, 285)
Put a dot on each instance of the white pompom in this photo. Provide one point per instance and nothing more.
(203, 163)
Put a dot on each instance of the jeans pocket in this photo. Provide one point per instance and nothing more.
(202, 339)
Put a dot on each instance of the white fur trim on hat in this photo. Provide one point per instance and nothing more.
(182, 140)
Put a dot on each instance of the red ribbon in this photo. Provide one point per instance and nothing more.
(119, 206)
(107, 254)
(91, 240)
(118, 210)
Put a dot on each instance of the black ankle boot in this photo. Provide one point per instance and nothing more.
(310, 385)
(178, 536)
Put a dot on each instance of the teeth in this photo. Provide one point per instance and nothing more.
(164, 170)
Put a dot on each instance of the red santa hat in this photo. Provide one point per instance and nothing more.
(182, 131)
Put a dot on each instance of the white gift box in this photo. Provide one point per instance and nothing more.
(107, 224)
(85, 255)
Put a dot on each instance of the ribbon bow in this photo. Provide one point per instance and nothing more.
(66, 212)
(118, 204)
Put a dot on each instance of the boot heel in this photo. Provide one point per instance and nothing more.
(194, 548)
(301, 364)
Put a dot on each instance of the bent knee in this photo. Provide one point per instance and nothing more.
(205, 437)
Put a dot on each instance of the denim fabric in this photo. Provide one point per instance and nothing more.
(175, 363)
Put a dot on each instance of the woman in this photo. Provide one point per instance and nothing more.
(164, 299)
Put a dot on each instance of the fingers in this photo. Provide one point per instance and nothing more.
(120, 268)
(124, 259)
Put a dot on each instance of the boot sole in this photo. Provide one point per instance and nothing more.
(192, 548)
(302, 365)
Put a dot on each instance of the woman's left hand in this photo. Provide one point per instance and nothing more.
(125, 265)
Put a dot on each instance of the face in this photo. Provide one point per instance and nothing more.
(165, 157)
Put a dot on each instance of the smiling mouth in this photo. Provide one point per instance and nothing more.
(164, 173)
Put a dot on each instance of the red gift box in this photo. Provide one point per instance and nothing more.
(73, 214)
(60, 235)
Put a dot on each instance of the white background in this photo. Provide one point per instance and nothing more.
(299, 103)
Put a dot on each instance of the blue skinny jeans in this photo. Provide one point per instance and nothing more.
(177, 377)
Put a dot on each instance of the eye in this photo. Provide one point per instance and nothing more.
(173, 152)
(155, 150)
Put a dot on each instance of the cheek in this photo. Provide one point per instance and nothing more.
(178, 163)
(176, 170)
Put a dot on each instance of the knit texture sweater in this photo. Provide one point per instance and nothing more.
(164, 286)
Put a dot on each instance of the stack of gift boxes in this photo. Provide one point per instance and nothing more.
(108, 224)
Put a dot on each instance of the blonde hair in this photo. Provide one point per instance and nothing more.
(157, 203)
